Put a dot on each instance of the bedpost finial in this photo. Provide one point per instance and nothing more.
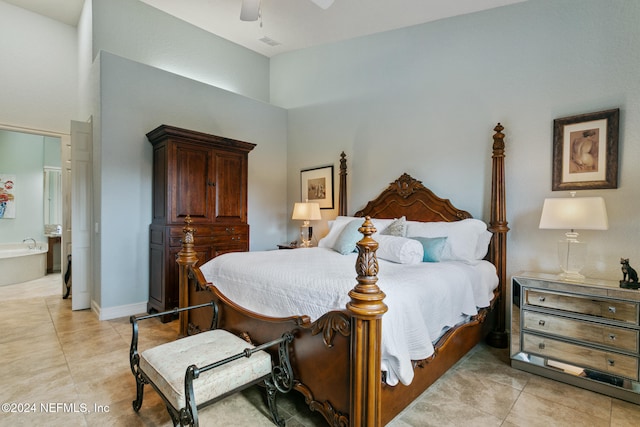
(367, 269)
(187, 254)
(188, 230)
(368, 229)
(367, 264)
(342, 194)
(498, 138)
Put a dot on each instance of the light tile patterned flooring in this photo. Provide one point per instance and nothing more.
(74, 371)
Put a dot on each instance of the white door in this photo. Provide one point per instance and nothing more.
(81, 214)
(65, 247)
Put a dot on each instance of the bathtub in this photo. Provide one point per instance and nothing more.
(20, 264)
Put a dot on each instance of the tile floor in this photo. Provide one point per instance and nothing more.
(74, 371)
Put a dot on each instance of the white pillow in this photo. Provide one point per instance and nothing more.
(483, 244)
(462, 237)
(398, 249)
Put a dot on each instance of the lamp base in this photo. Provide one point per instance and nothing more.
(572, 255)
(306, 234)
(571, 276)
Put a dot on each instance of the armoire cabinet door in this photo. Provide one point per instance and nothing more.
(192, 188)
(230, 185)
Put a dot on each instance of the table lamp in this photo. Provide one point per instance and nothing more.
(573, 213)
(307, 211)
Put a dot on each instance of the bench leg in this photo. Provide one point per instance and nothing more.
(281, 379)
(272, 393)
(137, 404)
(175, 417)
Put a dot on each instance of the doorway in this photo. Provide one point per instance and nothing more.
(33, 160)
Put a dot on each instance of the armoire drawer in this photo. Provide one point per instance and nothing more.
(611, 336)
(608, 309)
(604, 361)
(214, 235)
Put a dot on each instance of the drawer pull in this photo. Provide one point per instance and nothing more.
(612, 337)
(612, 309)
(611, 362)
(541, 346)
(541, 322)
(541, 299)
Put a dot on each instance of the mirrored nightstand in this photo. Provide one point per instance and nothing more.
(582, 333)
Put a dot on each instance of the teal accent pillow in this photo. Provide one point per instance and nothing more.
(432, 247)
(397, 228)
(348, 237)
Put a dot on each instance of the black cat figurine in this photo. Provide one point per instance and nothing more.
(629, 275)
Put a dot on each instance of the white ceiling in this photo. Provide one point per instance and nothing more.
(295, 24)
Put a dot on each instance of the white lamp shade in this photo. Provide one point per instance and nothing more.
(575, 213)
(309, 211)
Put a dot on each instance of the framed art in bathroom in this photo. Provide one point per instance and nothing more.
(7, 196)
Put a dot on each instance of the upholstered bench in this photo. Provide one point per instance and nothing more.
(194, 371)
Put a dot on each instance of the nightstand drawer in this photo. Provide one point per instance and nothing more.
(608, 309)
(603, 361)
(619, 338)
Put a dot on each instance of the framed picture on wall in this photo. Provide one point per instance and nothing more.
(316, 185)
(585, 151)
(7, 196)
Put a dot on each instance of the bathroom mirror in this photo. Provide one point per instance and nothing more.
(52, 199)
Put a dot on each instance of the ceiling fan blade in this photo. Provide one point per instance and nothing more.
(324, 4)
(250, 10)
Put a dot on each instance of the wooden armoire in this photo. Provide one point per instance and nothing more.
(204, 176)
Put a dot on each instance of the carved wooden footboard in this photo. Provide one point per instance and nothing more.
(337, 358)
(331, 382)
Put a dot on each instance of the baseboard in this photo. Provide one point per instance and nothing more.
(108, 313)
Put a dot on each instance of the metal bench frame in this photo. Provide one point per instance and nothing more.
(279, 380)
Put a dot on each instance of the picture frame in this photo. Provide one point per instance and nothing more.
(585, 151)
(7, 196)
(316, 185)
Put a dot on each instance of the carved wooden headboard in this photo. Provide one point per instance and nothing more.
(407, 197)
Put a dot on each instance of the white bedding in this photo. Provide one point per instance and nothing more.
(423, 299)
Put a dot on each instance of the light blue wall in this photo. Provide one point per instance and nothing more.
(52, 147)
(424, 100)
(190, 79)
(131, 107)
(137, 31)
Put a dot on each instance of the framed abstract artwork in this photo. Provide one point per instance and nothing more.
(585, 151)
(7, 196)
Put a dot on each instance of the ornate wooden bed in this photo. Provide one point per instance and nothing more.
(336, 359)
